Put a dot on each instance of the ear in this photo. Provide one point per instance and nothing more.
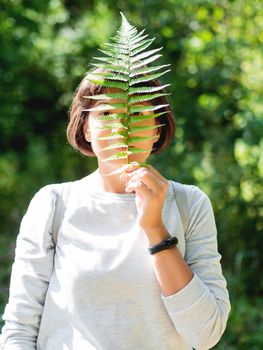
(157, 134)
(86, 131)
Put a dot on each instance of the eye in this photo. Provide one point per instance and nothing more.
(136, 113)
(106, 113)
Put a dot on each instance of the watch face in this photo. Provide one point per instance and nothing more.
(171, 242)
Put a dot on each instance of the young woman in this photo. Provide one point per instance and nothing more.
(116, 278)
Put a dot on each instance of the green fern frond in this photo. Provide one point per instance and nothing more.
(110, 67)
(144, 98)
(145, 62)
(125, 68)
(147, 70)
(108, 96)
(112, 61)
(106, 107)
(143, 128)
(147, 89)
(135, 150)
(139, 47)
(112, 116)
(112, 137)
(123, 155)
(117, 156)
(111, 76)
(145, 108)
(112, 126)
(110, 84)
(147, 77)
(114, 145)
(139, 40)
(138, 118)
(121, 49)
(143, 55)
(140, 138)
(114, 54)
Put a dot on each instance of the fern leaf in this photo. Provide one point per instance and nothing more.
(139, 47)
(139, 118)
(147, 89)
(146, 61)
(112, 117)
(113, 136)
(147, 108)
(106, 107)
(125, 166)
(117, 156)
(110, 76)
(108, 96)
(143, 128)
(148, 77)
(135, 150)
(110, 84)
(114, 145)
(126, 64)
(144, 98)
(114, 54)
(147, 70)
(144, 55)
(108, 67)
(111, 126)
(138, 37)
(115, 48)
(125, 154)
(140, 138)
(112, 61)
(132, 150)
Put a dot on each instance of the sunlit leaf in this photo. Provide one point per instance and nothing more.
(124, 66)
(136, 128)
(145, 108)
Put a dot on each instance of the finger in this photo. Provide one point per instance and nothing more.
(149, 179)
(133, 171)
(156, 172)
(140, 188)
(133, 166)
(136, 172)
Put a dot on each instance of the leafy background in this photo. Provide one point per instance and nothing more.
(215, 48)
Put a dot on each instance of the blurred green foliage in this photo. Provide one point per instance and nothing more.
(215, 48)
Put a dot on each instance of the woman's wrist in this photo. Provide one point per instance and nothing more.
(155, 234)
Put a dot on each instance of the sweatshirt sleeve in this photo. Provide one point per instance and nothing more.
(200, 310)
(31, 273)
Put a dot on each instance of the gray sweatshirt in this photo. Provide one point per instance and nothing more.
(99, 291)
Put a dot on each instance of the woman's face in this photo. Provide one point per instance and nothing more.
(93, 131)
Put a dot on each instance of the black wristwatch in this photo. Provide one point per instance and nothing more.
(167, 243)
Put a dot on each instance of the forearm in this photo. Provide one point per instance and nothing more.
(197, 315)
(171, 270)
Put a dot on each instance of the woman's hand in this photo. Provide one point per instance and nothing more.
(150, 188)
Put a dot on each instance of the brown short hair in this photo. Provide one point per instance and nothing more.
(77, 115)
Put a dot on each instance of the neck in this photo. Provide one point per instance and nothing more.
(111, 183)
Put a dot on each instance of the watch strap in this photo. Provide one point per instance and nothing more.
(167, 243)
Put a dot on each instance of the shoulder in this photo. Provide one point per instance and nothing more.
(193, 193)
(198, 209)
(46, 197)
(52, 190)
(200, 212)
